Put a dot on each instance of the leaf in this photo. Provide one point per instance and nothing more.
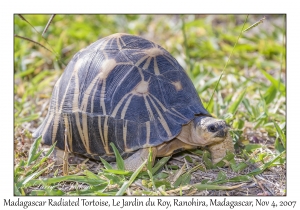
(239, 167)
(216, 187)
(281, 134)
(270, 94)
(251, 147)
(149, 168)
(51, 149)
(186, 178)
(90, 174)
(47, 192)
(25, 181)
(39, 163)
(114, 178)
(275, 82)
(207, 161)
(247, 106)
(278, 145)
(24, 73)
(16, 191)
(91, 190)
(33, 149)
(241, 178)
(119, 159)
(74, 178)
(221, 176)
(152, 180)
(165, 183)
(178, 181)
(160, 164)
(266, 165)
(228, 157)
(150, 161)
(106, 164)
(161, 175)
(126, 184)
(188, 159)
(260, 119)
(36, 156)
(116, 171)
(26, 119)
(233, 107)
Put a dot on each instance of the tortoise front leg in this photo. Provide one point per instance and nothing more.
(218, 151)
(137, 159)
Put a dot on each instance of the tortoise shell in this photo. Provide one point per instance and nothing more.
(122, 89)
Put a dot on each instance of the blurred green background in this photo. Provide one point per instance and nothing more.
(200, 43)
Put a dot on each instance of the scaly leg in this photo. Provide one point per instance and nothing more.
(218, 151)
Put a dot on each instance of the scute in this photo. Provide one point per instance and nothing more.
(122, 89)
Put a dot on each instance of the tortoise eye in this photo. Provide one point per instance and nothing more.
(212, 128)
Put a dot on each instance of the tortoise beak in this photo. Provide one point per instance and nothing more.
(223, 131)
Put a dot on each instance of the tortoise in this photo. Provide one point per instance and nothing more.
(130, 91)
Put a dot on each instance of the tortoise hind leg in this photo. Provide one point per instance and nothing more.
(136, 160)
(173, 147)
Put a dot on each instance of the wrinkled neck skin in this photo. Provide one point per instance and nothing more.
(195, 133)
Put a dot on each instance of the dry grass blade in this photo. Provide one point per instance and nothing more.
(66, 156)
(212, 95)
(41, 35)
(187, 187)
(255, 24)
(23, 18)
(30, 40)
(179, 173)
(216, 187)
(162, 191)
(48, 24)
(261, 186)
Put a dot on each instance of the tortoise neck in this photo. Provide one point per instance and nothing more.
(189, 135)
(186, 133)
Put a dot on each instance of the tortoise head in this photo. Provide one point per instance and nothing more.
(208, 130)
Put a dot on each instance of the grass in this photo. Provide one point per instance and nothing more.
(248, 91)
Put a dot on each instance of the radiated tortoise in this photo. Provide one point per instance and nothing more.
(130, 91)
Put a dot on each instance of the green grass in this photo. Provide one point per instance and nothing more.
(248, 91)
